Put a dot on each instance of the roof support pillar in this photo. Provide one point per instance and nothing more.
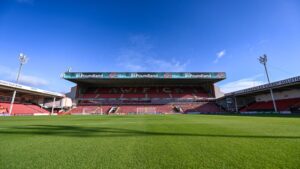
(12, 102)
(53, 105)
(236, 107)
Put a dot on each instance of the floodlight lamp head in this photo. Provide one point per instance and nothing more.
(263, 59)
(23, 58)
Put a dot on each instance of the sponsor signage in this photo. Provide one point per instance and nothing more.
(162, 75)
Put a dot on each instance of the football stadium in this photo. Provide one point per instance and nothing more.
(150, 120)
(129, 93)
(149, 84)
(145, 92)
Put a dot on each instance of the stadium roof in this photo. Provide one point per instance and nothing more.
(26, 89)
(136, 78)
(282, 84)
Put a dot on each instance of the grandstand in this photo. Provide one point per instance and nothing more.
(258, 99)
(28, 101)
(144, 92)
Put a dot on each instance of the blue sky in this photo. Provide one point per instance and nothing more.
(154, 35)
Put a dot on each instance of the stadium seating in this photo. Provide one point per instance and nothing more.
(127, 109)
(107, 96)
(200, 107)
(143, 100)
(183, 96)
(37, 108)
(165, 109)
(76, 110)
(201, 95)
(282, 105)
(24, 109)
(134, 96)
(158, 95)
(144, 92)
(89, 95)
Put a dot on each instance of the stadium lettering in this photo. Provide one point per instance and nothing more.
(166, 90)
(128, 90)
(201, 75)
(146, 75)
(91, 75)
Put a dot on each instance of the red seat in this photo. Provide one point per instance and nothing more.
(183, 96)
(159, 95)
(107, 96)
(282, 105)
(134, 96)
(25, 109)
(145, 92)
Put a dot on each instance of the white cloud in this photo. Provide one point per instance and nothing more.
(33, 80)
(220, 55)
(139, 56)
(10, 75)
(133, 67)
(172, 65)
(241, 84)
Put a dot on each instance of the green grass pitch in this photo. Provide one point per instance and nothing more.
(150, 141)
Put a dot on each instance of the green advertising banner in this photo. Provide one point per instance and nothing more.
(162, 75)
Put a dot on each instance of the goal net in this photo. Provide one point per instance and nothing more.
(93, 110)
(146, 110)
